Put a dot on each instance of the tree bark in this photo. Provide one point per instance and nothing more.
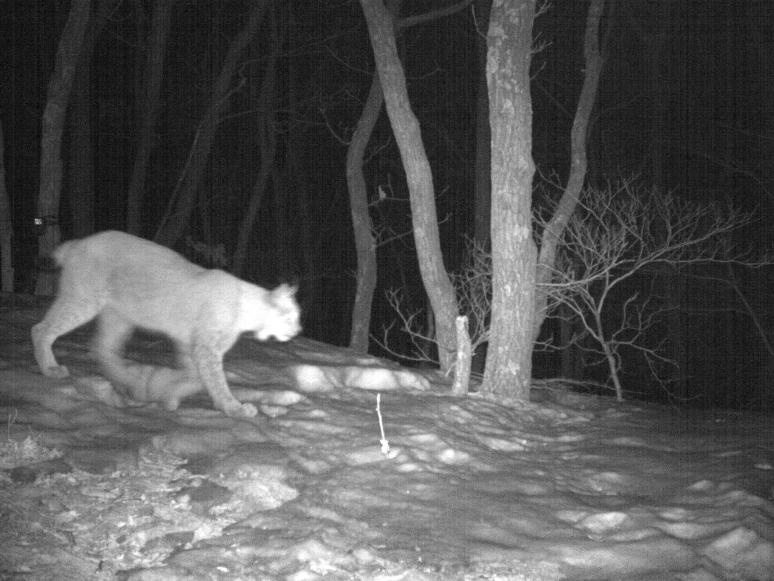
(365, 245)
(268, 143)
(482, 187)
(80, 157)
(52, 126)
(509, 359)
(419, 177)
(579, 162)
(181, 203)
(148, 108)
(6, 225)
(464, 353)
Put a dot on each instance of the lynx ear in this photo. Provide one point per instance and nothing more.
(286, 290)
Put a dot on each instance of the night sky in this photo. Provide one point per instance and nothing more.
(686, 102)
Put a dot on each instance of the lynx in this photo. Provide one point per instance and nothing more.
(128, 282)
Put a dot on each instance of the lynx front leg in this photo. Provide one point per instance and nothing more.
(209, 365)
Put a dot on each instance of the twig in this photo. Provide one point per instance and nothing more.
(385, 444)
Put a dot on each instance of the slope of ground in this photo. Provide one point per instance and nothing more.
(93, 487)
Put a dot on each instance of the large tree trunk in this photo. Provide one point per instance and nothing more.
(482, 186)
(509, 359)
(552, 234)
(419, 177)
(181, 203)
(148, 108)
(6, 225)
(365, 245)
(59, 88)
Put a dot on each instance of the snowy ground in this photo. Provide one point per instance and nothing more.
(585, 489)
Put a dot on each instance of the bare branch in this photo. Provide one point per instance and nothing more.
(625, 230)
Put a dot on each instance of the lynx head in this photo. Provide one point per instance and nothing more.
(280, 315)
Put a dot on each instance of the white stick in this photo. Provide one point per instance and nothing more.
(385, 444)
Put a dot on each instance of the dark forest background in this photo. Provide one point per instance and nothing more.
(685, 103)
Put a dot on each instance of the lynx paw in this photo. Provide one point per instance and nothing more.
(56, 372)
(241, 410)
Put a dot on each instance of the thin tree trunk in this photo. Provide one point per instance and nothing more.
(141, 34)
(268, 141)
(312, 225)
(734, 283)
(579, 162)
(677, 343)
(148, 108)
(181, 203)
(254, 205)
(569, 352)
(509, 358)
(284, 226)
(365, 245)
(419, 177)
(80, 156)
(464, 354)
(6, 225)
(59, 89)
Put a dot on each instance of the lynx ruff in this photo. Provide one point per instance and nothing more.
(128, 282)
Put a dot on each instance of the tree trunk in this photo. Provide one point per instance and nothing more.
(285, 227)
(6, 225)
(138, 64)
(181, 203)
(365, 245)
(313, 225)
(482, 184)
(148, 109)
(509, 358)
(268, 143)
(571, 356)
(80, 156)
(52, 126)
(552, 234)
(675, 299)
(482, 187)
(418, 176)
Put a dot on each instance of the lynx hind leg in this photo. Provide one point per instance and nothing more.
(209, 364)
(67, 313)
(170, 386)
(112, 334)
